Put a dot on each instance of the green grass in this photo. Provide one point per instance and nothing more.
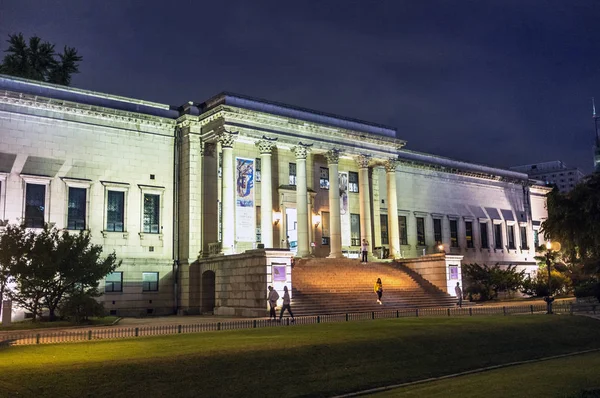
(323, 359)
(30, 325)
(577, 376)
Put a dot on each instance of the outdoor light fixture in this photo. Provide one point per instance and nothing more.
(441, 248)
(316, 220)
(276, 217)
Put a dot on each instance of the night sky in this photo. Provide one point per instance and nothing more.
(496, 82)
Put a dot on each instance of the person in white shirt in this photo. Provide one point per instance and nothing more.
(364, 247)
(273, 297)
(459, 294)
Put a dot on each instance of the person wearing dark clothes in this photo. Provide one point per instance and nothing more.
(364, 249)
(379, 290)
(273, 297)
(286, 304)
(459, 294)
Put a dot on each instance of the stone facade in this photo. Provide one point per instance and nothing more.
(192, 202)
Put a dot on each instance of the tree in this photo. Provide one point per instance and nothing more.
(37, 60)
(51, 265)
(574, 221)
(486, 281)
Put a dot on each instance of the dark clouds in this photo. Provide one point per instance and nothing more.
(495, 82)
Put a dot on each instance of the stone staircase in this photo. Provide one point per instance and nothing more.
(331, 286)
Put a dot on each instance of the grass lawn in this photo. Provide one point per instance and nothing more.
(324, 359)
(575, 377)
(30, 325)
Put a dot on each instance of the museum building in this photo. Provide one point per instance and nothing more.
(176, 191)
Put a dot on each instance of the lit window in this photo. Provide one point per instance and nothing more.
(352, 181)
(257, 169)
(292, 174)
(115, 211)
(383, 219)
(324, 178)
(355, 229)
(151, 214)
(325, 228)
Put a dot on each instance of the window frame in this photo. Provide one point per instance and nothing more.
(156, 191)
(150, 289)
(403, 229)
(106, 282)
(454, 233)
(439, 238)
(325, 228)
(355, 241)
(115, 187)
(483, 233)
(420, 223)
(510, 236)
(37, 180)
(469, 234)
(384, 229)
(324, 180)
(498, 240)
(523, 237)
(353, 186)
(257, 167)
(292, 181)
(78, 183)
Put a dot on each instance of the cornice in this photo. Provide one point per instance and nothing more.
(77, 109)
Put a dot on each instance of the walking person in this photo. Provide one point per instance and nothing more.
(286, 304)
(459, 294)
(273, 297)
(379, 290)
(364, 249)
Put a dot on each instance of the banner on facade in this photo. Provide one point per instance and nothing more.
(344, 209)
(245, 224)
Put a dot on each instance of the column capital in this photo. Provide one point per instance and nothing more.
(363, 161)
(227, 138)
(390, 165)
(265, 146)
(332, 156)
(301, 150)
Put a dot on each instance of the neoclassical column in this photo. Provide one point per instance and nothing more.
(227, 139)
(365, 200)
(394, 232)
(265, 146)
(301, 152)
(335, 221)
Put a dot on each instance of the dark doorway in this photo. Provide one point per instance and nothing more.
(208, 292)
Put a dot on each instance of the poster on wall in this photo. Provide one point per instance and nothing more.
(279, 273)
(245, 224)
(344, 208)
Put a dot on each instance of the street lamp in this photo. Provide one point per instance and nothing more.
(550, 246)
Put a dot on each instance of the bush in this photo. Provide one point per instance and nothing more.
(486, 282)
(80, 306)
(538, 286)
(588, 288)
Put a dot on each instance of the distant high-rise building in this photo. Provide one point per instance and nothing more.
(553, 172)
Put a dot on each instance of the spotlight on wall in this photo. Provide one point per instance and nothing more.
(316, 220)
(276, 217)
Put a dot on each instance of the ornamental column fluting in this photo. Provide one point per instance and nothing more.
(335, 222)
(226, 139)
(265, 146)
(394, 232)
(301, 152)
(365, 200)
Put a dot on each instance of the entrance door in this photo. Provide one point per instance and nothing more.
(291, 222)
(208, 292)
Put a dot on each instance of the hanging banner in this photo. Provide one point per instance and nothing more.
(245, 224)
(344, 208)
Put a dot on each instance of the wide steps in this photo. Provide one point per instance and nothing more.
(330, 286)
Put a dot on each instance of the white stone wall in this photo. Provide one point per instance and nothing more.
(94, 151)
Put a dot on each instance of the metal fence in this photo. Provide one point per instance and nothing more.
(78, 335)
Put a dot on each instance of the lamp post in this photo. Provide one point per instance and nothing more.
(550, 246)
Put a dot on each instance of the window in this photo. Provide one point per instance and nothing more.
(151, 214)
(484, 235)
(258, 222)
(292, 174)
(352, 181)
(536, 238)
(523, 233)
(35, 205)
(325, 228)
(383, 219)
(150, 281)
(420, 231)
(324, 178)
(403, 231)
(510, 233)
(76, 208)
(437, 230)
(355, 229)
(453, 233)
(469, 233)
(114, 282)
(498, 236)
(257, 169)
(115, 211)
